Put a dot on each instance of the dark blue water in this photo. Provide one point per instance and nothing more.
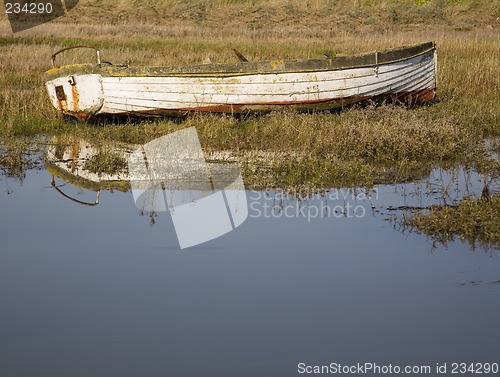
(98, 291)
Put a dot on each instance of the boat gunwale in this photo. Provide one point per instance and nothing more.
(277, 66)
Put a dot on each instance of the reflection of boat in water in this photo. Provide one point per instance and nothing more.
(85, 90)
(69, 160)
(169, 173)
(160, 184)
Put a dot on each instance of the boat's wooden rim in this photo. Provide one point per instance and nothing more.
(366, 60)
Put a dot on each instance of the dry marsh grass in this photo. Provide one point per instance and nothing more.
(357, 16)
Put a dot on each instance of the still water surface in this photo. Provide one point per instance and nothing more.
(99, 291)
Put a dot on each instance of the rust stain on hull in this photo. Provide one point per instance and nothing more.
(76, 98)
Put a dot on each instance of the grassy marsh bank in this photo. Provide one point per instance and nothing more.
(474, 220)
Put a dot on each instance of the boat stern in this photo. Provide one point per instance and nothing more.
(75, 92)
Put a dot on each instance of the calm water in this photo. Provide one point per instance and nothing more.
(99, 291)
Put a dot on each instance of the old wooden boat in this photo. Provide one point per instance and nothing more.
(104, 89)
